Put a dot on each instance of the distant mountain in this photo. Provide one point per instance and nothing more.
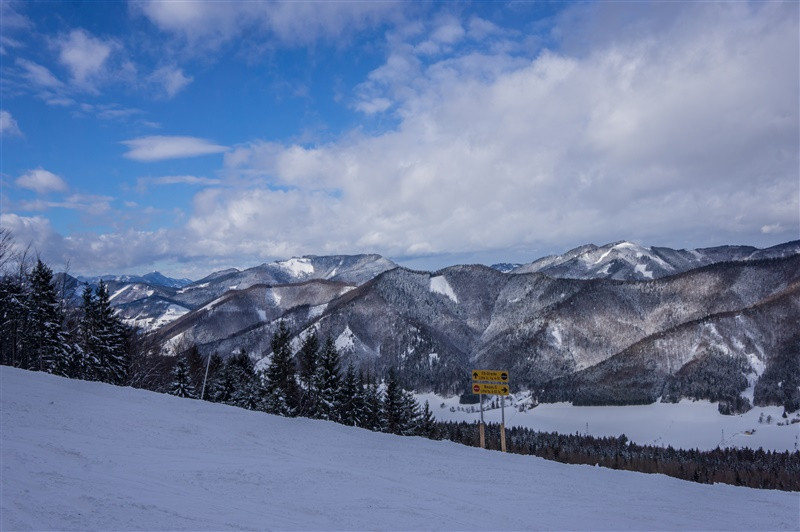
(627, 261)
(505, 267)
(718, 332)
(152, 278)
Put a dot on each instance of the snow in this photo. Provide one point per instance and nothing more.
(439, 285)
(297, 267)
(90, 456)
(274, 296)
(556, 332)
(316, 311)
(346, 340)
(262, 314)
(686, 425)
(641, 269)
(151, 323)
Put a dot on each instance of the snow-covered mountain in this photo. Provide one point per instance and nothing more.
(91, 456)
(628, 261)
(152, 278)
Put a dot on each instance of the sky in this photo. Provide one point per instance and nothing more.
(188, 137)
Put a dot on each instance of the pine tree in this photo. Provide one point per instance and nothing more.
(308, 357)
(427, 424)
(13, 318)
(86, 363)
(111, 335)
(351, 399)
(283, 394)
(373, 405)
(182, 384)
(328, 381)
(409, 414)
(247, 385)
(47, 340)
(393, 406)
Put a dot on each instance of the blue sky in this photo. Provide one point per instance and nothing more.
(194, 136)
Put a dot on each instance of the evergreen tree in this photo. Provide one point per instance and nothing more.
(214, 366)
(373, 405)
(351, 399)
(182, 384)
(247, 385)
(308, 357)
(13, 318)
(409, 414)
(427, 424)
(393, 406)
(87, 364)
(328, 381)
(281, 387)
(47, 339)
(110, 334)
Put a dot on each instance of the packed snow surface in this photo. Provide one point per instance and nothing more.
(90, 456)
(685, 425)
(439, 285)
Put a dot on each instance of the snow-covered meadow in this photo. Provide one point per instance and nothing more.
(85, 455)
(685, 425)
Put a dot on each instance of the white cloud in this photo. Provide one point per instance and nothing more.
(84, 56)
(38, 75)
(208, 24)
(652, 137)
(144, 182)
(8, 126)
(170, 79)
(41, 181)
(159, 147)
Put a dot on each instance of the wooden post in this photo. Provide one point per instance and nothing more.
(481, 429)
(503, 424)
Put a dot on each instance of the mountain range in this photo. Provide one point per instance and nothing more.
(613, 324)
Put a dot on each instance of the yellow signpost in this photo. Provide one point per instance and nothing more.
(490, 389)
(488, 375)
(491, 382)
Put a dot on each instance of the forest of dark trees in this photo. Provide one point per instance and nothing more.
(740, 467)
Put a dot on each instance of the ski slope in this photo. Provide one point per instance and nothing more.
(88, 456)
(685, 425)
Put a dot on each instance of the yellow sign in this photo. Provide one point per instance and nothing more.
(490, 389)
(489, 375)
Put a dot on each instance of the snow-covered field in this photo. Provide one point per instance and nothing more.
(686, 425)
(81, 455)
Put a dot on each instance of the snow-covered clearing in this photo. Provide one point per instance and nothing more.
(439, 285)
(88, 456)
(686, 425)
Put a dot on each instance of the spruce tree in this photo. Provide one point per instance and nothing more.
(350, 404)
(409, 414)
(427, 424)
(393, 406)
(281, 387)
(13, 318)
(328, 381)
(47, 341)
(373, 405)
(247, 387)
(111, 335)
(308, 357)
(182, 385)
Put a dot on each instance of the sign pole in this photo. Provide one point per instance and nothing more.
(503, 423)
(481, 429)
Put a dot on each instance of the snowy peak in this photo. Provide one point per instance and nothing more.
(152, 278)
(628, 261)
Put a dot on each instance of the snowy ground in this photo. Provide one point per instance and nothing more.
(687, 425)
(81, 455)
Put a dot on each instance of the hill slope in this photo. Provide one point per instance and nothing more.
(81, 455)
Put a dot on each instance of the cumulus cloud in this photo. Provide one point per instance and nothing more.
(41, 181)
(84, 56)
(160, 147)
(291, 23)
(8, 126)
(686, 135)
(171, 80)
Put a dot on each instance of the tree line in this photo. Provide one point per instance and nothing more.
(740, 467)
(38, 331)
(307, 383)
